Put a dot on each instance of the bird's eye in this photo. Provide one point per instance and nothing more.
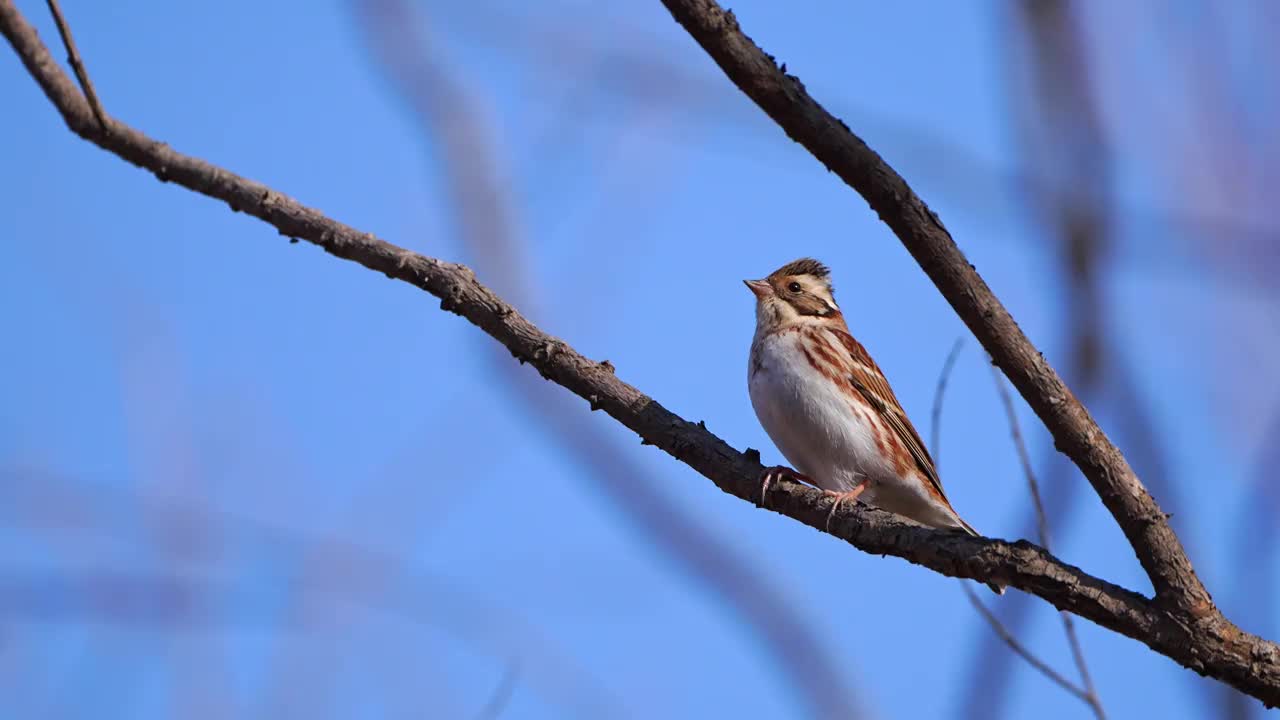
(794, 287)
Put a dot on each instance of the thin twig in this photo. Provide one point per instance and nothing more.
(73, 58)
(1077, 655)
(1090, 695)
(935, 417)
(935, 440)
(1024, 458)
(1020, 649)
(501, 696)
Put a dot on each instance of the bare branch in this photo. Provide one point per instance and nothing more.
(1197, 636)
(1016, 645)
(1024, 458)
(940, 391)
(77, 65)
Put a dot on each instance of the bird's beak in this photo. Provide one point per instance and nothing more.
(761, 288)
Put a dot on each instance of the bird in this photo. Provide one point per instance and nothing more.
(828, 406)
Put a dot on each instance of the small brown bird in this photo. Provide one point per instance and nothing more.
(828, 407)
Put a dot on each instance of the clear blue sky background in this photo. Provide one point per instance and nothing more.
(327, 459)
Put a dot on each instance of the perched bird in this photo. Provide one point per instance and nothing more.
(828, 407)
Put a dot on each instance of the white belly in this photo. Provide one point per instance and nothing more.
(810, 419)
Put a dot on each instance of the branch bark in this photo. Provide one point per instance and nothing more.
(1188, 631)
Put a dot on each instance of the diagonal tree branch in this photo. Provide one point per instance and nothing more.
(1199, 638)
(784, 98)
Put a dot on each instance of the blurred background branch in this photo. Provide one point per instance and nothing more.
(448, 115)
(202, 593)
(1055, 116)
(1089, 693)
(1086, 693)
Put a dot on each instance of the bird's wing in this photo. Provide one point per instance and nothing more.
(869, 380)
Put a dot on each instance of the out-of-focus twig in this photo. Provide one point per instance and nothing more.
(998, 627)
(1058, 128)
(485, 223)
(633, 68)
(178, 601)
(502, 694)
(164, 450)
(119, 598)
(1090, 692)
(1024, 458)
(1016, 646)
(77, 65)
(1254, 576)
(939, 393)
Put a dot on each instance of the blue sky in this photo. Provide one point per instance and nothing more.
(371, 526)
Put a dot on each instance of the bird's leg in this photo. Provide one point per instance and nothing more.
(773, 473)
(842, 498)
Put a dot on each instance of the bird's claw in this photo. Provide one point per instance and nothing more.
(842, 498)
(773, 473)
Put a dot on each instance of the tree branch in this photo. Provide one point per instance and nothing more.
(1206, 643)
(784, 98)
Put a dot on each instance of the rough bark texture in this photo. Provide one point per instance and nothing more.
(1183, 624)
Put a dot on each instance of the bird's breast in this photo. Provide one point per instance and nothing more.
(809, 417)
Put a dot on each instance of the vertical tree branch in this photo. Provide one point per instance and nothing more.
(447, 114)
(1059, 129)
(940, 392)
